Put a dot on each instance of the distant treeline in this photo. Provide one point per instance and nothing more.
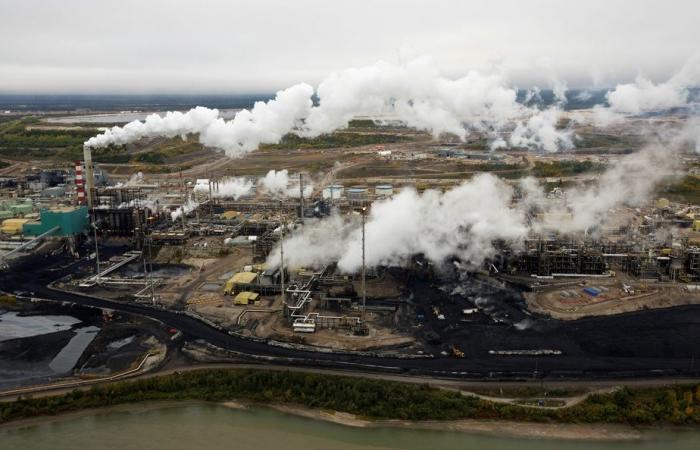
(335, 140)
(367, 398)
(565, 168)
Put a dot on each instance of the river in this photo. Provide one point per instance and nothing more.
(210, 426)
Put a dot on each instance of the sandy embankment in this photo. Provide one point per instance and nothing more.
(593, 432)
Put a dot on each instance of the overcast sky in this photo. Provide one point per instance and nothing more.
(172, 46)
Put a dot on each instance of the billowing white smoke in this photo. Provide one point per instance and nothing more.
(415, 93)
(276, 183)
(644, 96)
(418, 94)
(540, 131)
(135, 179)
(466, 220)
(229, 187)
(462, 222)
(630, 180)
(266, 122)
(690, 134)
(189, 206)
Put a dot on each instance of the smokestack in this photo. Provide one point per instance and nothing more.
(89, 175)
(301, 196)
(79, 183)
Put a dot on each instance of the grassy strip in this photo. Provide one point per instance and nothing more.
(565, 168)
(367, 398)
(336, 140)
(686, 191)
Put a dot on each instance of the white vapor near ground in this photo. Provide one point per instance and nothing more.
(414, 92)
(644, 96)
(465, 221)
(228, 187)
(276, 183)
(187, 207)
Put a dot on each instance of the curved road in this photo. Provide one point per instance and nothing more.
(23, 276)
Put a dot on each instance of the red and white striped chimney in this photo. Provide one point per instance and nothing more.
(79, 183)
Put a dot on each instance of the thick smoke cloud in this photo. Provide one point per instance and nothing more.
(276, 183)
(462, 222)
(266, 122)
(229, 187)
(645, 96)
(540, 132)
(190, 205)
(467, 220)
(415, 93)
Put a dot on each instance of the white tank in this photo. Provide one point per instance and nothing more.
(333, 192)
(384, 190)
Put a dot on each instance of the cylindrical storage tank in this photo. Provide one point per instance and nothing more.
(333, 192)
(356, 195)
(384, 190)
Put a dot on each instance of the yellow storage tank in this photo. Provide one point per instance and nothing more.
(696, 225)
(245, 298)
(13, 226)
(662, 203)
(228, 215)
(239, 278)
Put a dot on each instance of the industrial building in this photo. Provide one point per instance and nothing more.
(68, 221)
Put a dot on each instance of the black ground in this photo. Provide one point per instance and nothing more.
(646, 343)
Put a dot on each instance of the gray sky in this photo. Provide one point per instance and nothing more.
(172, 46)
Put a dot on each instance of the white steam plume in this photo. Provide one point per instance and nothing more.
(467, 220)
(540, 131)
(415, 92)
(644, 96)
(276, 183)
(229, 187)
(266, 122)
(462, 222)
(189, 206)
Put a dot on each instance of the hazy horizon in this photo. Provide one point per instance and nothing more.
(219, 47)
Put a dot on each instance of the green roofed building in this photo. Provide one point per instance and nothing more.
(70, 220)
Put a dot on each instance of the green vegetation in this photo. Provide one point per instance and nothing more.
(565, 168)
(335, 140)
(4, 164)
(367, 398)
(22, 139)
(686, 191)
(607, 141)
(362, 123)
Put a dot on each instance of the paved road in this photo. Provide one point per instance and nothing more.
(24, 277)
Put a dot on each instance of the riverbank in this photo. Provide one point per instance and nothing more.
(373, 399)
(577, 432)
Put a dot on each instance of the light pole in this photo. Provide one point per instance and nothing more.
(97, 254)
(284, 296)
(364, 271)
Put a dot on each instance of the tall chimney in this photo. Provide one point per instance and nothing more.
(79, 183)
(89, 175)
(301, 196)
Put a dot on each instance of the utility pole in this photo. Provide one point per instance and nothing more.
(150, 273)
(97, 254)
(184, 199)
(301, 197)
(364, 270)
(211, 206)
(284, 294)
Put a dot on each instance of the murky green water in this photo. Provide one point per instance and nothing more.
(204, 426)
